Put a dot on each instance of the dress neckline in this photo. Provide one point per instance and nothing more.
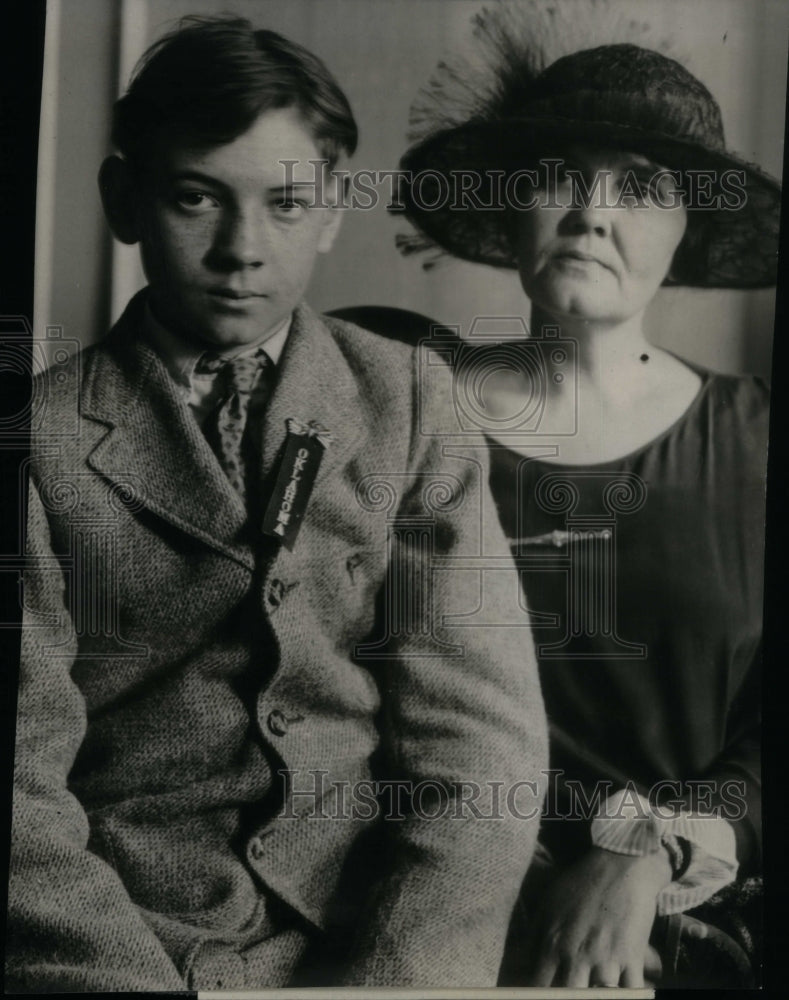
(707, 378)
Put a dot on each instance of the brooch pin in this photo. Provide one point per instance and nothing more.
(559, 539)
(301, 459)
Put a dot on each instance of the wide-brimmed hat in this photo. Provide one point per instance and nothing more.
(621, 96)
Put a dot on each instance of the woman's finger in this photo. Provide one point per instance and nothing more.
(576, 975)
(653, 966)
(545, 972)
(633, 976)
(606, 974)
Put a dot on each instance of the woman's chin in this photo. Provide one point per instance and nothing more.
(568, 299)
(575, 308)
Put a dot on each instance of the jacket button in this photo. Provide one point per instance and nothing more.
(274, 593)
(256, 847)
(277, 589)
(216, 966)
(277, 723)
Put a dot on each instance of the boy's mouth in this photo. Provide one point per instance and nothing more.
(234, 293)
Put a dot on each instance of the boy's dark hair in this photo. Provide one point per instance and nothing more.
(209, 79)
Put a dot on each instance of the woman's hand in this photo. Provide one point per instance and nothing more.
(595, 920)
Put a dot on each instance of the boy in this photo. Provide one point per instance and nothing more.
(222, 688)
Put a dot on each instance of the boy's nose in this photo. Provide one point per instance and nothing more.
(241, 240)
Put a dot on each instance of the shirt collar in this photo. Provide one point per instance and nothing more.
(180, 356)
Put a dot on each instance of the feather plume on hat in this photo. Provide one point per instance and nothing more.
(533, 72)
(509, 45)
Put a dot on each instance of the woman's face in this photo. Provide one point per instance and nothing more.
(601, 240)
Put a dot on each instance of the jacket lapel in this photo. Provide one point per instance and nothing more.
(153, 435)
(314, 382)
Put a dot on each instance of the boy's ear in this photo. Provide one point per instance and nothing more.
(119, 196)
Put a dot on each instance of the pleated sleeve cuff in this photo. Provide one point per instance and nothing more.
(629, 825)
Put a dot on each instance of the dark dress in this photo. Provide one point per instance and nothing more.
(644, 579)
(647, 608)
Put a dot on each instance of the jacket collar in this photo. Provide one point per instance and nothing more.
(153, 435)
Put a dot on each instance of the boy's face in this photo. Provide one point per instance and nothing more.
(228, 250)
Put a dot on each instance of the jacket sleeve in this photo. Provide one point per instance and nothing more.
(71, 923)
(454, 726)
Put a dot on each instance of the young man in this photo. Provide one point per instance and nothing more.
(253, 746)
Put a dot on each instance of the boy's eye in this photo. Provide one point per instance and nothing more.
(195, 201)
(291, 207)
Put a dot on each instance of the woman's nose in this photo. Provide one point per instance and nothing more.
(592, 200)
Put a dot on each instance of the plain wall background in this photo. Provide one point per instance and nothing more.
(381, 51)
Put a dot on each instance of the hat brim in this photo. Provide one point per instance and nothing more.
(739, 248)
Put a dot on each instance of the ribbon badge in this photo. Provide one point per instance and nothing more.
(301, 459)
(311, 429)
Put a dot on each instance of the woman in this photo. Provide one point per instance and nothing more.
(635, 503)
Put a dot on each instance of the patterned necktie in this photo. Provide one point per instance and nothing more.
(240, 379)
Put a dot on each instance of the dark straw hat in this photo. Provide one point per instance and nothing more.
(623, 96)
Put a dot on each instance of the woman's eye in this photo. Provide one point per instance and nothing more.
(656, 187)
(643, 188)
(666, 189)
(634, 188)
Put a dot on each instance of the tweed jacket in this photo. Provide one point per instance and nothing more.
(199, 708)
